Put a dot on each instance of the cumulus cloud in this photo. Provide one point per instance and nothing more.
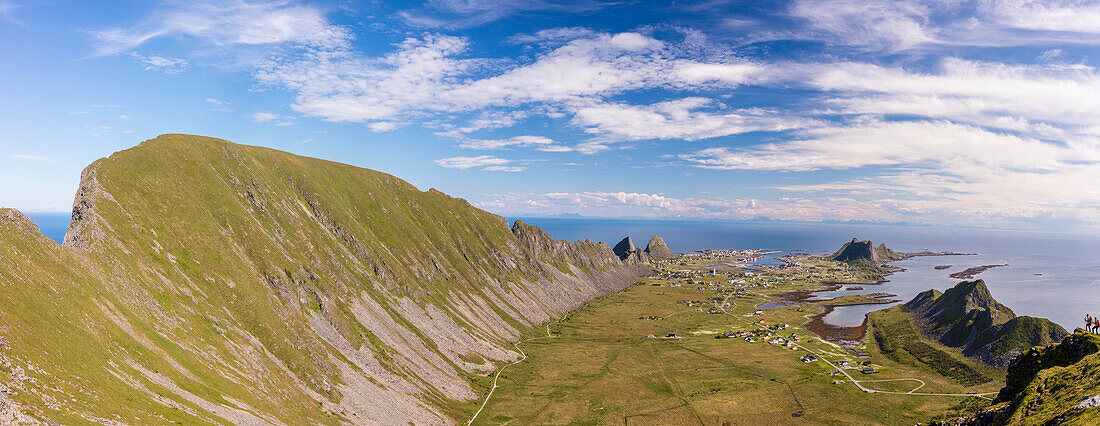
(426, 75)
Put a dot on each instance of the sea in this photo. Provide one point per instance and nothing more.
(1050, 275)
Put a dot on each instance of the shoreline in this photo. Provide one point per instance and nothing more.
(843, 336)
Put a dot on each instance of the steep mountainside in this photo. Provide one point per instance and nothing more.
(967, 317)
(658, 249)
(1056, 384)
(205, 282)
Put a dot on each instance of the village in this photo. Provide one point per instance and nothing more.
(721, 335)
(731, 276)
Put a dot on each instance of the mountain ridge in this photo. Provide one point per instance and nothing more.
(221, 282)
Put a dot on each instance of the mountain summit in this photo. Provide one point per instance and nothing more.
(658, 249)
(967, 317)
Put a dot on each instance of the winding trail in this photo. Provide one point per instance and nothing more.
(501, 370)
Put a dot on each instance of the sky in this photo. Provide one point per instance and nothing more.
(947, 113)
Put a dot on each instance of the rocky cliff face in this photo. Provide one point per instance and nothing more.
(967, 317)
(203, 282)
(856, 250)
(629, 254)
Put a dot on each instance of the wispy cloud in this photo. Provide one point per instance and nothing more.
(234, 22)
(454, 14)
(471, 162)
(165, 64)
(34, 158)
(264, 117)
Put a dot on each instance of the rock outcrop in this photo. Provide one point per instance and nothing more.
(967, 317)
(658, 249)
(629, 254)
(865, 251)
(206, 282)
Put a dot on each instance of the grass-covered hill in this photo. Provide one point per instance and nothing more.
(1055, 384)
(206, 282)
(967, 317)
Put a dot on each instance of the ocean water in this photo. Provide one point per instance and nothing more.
(52, 225)
(1067, 289)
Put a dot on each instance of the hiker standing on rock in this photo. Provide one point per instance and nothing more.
(1088, 322)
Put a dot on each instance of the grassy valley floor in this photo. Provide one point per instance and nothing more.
(597, 365)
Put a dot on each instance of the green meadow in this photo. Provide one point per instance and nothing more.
(597, 366)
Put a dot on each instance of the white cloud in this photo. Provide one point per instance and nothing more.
(470, 162)
(124, 117)
(972, 91)
(471, 13)
(874, 24)
(425, 76)
(220, 105)
(525, 141)
(937, 167)
(34, 158)
(78, 112)
(264, 116)
(1046, 15)
(505, 169)
(677, 119)
(233, 22)
(165, 64)
(641, 204)
(382, 126)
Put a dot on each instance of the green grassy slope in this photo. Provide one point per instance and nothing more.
(967, 317)
(234, 282)
(1048, 385)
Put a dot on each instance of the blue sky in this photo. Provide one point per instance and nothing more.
(955, 113)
